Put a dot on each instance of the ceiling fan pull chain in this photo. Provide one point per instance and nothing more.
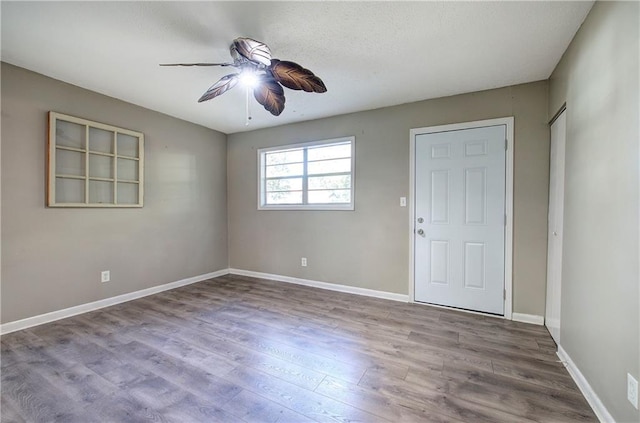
(247, 110)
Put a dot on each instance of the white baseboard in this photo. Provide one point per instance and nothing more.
(95, 305)
(324, 285)
(592, 398)
(528, 318)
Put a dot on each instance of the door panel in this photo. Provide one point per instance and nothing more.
(475, 196)
(440, 262)
(474, 265)
(460, 209)
(440, 197)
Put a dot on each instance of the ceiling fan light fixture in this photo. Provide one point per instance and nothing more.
(248, 78)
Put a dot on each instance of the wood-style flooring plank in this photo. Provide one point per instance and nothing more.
(192, 408)
(240, 349)
(23, 386)
(315, 406)
(252, 407)
(8, 412)
(384, 406)
(511, 395)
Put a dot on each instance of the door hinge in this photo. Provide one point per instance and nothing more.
(504, 294)
(505, 220)
(506, 144)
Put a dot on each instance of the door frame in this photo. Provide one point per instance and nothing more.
(508, 233)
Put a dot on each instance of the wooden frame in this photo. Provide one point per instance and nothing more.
(91, 164)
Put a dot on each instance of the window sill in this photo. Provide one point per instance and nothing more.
(345, 207)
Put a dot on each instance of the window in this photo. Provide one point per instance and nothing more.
(311, 176)
(91, 164)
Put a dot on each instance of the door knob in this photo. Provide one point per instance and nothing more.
(420, 232)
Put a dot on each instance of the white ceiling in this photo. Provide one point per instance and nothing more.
(369, 54)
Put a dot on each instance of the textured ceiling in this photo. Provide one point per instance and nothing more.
(369, 54)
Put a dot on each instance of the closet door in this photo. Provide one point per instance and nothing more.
(556, 209)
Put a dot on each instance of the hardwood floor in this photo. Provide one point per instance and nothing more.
(236, 349)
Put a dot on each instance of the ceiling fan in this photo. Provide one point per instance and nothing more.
(262, 73)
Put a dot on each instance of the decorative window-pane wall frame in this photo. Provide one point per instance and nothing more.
(92, 164)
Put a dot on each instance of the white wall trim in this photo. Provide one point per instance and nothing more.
(95, 305)
(588, 392)
(528, 318)
(323, 285)
(508, 233)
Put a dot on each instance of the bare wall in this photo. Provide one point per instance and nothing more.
(369, 247)
(52, 258)
(600, 323)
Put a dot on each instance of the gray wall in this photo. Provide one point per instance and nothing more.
(369, 247)
(598, 79)
(52, 258)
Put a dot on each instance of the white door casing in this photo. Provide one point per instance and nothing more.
(554, 232)
(461, 206)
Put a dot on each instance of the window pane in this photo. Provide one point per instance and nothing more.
(70, 134)
(127, 145)
(127, 169)
(330, 182)
(70, 163)
(284, 170)
(69, 190)
(100, 166)
(329, 166)
(291, 156)
(329, 152)
(288, 184)
(290, 197)
(100, 140)
(101, 192)
(330, 196)
(127, 193)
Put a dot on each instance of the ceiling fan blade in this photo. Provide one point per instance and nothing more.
(238, 59)
(255, 51)
(270, 94)
(197, 64)
(222, 86)
(295, 77)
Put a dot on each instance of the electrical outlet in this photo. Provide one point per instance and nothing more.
(632, 390)
(105, 276)
(303, 262)
(403, 201)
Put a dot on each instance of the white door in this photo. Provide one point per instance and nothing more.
(460, 218)
(554, 240)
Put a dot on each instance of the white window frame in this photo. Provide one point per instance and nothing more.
(326, 206)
